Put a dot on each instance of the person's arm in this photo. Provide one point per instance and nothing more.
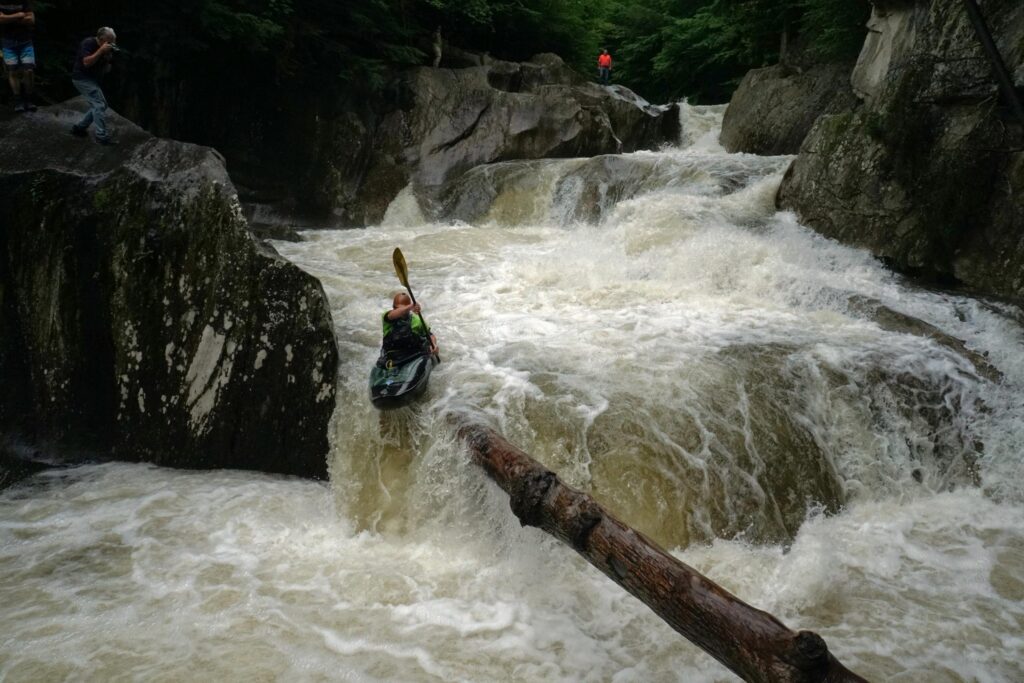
(402, 311)
(103, 49)
(12, 18)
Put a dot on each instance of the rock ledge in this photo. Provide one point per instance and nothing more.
(139, 318)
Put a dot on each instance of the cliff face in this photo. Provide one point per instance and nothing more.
(140, 319)
(928, 172)
(435, 124)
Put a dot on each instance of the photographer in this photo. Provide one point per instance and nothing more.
(92, 63)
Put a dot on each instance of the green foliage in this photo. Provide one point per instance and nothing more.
(701, 48)
(664, 49)
(251, 25)
(834, 28)
(479, 12)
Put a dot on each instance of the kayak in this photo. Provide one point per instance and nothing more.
(401, 383)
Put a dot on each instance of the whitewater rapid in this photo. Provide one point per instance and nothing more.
(651, 328)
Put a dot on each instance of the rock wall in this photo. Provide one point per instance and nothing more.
(447, 121)
(319, 159)
(140, 319)
(774, 108)
(929, 172)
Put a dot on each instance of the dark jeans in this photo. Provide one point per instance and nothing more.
(97, 107)
(604, 74)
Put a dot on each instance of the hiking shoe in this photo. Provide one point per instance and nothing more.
(78, 132)
(19, 107)
(29, 106)
(107, 141)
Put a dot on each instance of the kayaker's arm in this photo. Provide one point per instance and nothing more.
(402, 311)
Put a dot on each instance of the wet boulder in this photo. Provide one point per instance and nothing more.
(448, 121)
(581, 190)
(774, 108)
(141, 320)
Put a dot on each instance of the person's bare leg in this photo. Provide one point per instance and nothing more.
(15, 81)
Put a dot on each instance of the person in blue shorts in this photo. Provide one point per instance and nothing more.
(92, 63)
(17, 21)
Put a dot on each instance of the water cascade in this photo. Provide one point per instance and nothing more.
(830, 442)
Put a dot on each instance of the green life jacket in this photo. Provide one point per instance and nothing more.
(404, 337)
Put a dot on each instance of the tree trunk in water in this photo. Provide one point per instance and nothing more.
(752, 643)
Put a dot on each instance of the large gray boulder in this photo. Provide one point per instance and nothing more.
(929, 173)
(451, 120)
(139, 318)
(774, 108)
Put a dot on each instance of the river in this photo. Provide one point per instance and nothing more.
(832, 443)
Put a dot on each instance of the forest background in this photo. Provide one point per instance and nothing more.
(286, 90)
(276, 49)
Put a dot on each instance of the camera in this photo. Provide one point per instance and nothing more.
(114, 48)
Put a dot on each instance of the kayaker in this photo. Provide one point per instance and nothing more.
(405, 332)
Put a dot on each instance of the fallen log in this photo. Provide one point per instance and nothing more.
(750, 642)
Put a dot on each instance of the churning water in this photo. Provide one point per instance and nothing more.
(832, 444)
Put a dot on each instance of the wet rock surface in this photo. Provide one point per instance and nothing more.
(774, 108)
(448, 121)
(141, 320)
(16, 465)
(928, 173)
(567, 191)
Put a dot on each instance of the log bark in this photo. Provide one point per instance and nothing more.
(750, 642)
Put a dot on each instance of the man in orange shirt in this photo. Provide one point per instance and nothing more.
(604, 67)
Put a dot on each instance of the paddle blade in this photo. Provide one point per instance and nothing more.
(400, 268)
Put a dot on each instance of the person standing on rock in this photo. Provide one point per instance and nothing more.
(604, 67)
(92, 63)
(17, 21)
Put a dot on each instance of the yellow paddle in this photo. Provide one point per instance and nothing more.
(402, 271)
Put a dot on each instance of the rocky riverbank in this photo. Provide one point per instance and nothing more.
(928, 173)
(926, 168)
(141, 319)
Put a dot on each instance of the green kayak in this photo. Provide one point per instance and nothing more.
(401, 383)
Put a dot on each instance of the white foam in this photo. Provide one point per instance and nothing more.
(693, 358)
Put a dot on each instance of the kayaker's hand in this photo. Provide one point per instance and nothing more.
(415, 308)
